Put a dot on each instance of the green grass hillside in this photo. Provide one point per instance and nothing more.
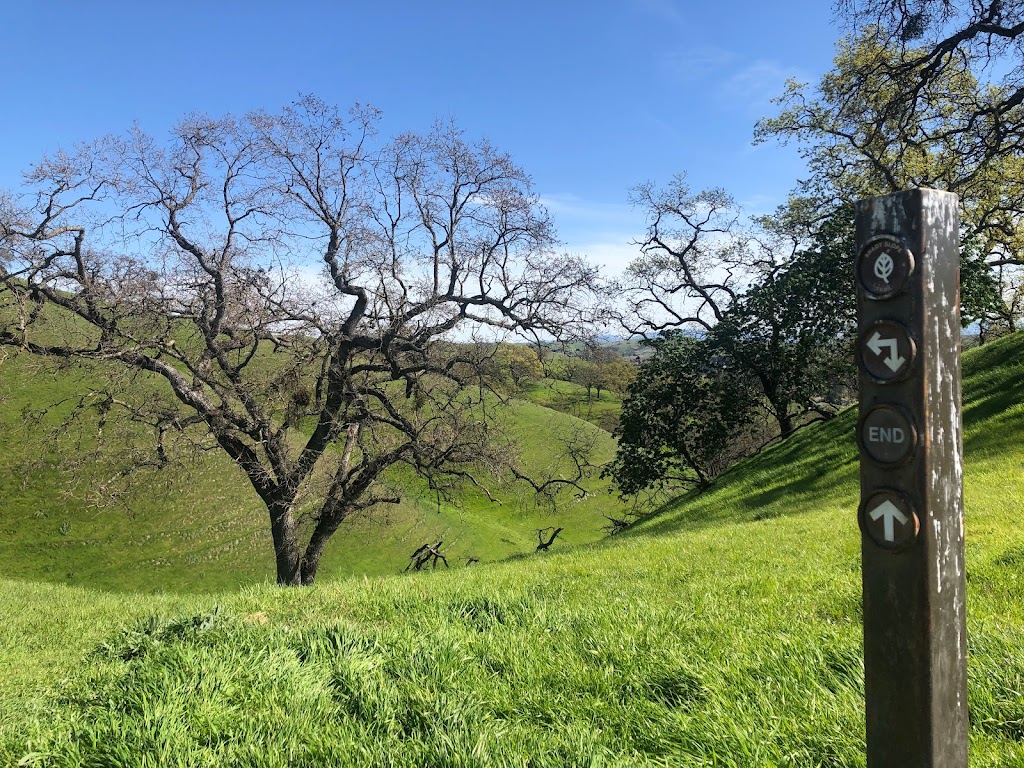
(200, 527)
(723, 631)
(567, 397)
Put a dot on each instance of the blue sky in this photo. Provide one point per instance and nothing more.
(591, 98)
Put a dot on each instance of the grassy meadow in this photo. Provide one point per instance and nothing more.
(724, 630)
(198, 526)
(568, 397)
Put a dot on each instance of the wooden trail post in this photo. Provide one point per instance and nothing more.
(911, 511)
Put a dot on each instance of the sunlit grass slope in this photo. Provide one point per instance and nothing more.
(571, 398)
(816, 470)
(201, 527)
(723, 632)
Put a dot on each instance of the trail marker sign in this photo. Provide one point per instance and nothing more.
(887, 350)
(885, 266)
(888, 435)
(911, 511)
(890, 520)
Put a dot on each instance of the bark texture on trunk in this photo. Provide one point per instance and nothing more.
(311, 559)
(286, 545)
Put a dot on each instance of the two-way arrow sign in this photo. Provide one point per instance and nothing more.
(890, 515)
(877, 344)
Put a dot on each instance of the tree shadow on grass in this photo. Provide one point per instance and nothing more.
(816, 461)
(809, 465)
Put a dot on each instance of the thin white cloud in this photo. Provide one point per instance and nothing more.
(755, 85)
(699, 63)
(612, 255)
(570, 207)
(666, 11)
(602, 231)
(731, 77)
(760, 204)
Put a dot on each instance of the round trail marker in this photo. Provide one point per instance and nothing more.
(885, 266)
(887, 350)
(887, 434)
(889, 519)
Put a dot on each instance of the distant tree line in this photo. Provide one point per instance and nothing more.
(594, 366)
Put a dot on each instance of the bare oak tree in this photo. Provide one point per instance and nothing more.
(690, 267)
(303, 294)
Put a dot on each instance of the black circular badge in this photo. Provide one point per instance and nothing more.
(887, 435)
(887, 350)
(888, 518)
(885, 266)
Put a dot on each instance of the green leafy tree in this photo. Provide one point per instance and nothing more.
(617, 375)
(779, 356)
(555, 365)
(792, 332)
(687, 417)
(906, 107)
(603, 358)
(513, 366)
(932, 38)
(586, 374)
(774, 296)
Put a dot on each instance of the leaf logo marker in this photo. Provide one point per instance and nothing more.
(883, 267)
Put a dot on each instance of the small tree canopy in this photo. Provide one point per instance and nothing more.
(928, 93)
(513, 366)
(686, 418)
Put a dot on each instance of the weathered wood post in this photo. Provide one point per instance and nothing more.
(911, 511)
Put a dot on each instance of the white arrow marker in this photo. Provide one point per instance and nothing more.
(876, 344)
(890, 512)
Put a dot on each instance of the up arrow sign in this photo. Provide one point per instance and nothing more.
(876, 344)
(889, 512)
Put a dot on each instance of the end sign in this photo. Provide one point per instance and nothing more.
(911, 511)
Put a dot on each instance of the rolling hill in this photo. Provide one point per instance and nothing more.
(723, 630)
(198, 526)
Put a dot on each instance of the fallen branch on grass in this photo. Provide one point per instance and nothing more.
(542, 545)
(427, 553)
